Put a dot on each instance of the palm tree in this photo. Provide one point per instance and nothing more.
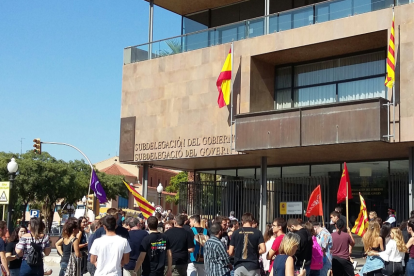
(175, 48)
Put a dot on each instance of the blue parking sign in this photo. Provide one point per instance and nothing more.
(34, 213)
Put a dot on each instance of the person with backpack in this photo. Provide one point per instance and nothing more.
(200, 236)
(68, 244)
(30, 249)
(324, 239)
(247, 244)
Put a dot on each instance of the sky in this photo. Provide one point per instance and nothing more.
(61, 71)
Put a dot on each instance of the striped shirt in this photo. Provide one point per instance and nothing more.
(216, 260)
(25, 243)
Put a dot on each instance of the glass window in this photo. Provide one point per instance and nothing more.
(399, 166)
(246, 173)
(362, 89)
(325, 170)
(296, 171)
(273, 172)
(315, 95)
(368, 169)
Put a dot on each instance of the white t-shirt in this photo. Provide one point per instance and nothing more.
(110, 250)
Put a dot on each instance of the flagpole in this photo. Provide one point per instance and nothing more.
(231, 97)
(347, 224)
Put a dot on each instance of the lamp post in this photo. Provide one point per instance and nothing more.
(160, 188)
(12, 167)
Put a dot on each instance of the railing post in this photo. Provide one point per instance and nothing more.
(150, 27)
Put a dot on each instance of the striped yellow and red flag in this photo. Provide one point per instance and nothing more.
(361, 224)
(390, 78)
(224, 83)
(146, 208)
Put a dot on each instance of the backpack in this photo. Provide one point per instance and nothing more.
(317, 255)
(34, 254)
(199, 242)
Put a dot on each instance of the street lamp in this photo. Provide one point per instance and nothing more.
(160, 188)
(12, 167)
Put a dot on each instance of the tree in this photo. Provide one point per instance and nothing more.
(174, 186)
(45, 180)
(175, 48)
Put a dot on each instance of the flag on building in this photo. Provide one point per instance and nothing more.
(344, 189)
(224, 83)
(315, 203)
(361, 224)
(390, 78)
(146, 208)
(97, 188)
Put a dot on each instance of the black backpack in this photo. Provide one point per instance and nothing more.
(34, 254)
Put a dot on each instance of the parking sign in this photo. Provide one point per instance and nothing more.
(34, 213)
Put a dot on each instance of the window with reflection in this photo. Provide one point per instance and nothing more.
(329, 81)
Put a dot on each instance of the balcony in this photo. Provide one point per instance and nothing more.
(347, 122)
(278, 22)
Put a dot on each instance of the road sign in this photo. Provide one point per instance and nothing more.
(4, 192)
(34, 213)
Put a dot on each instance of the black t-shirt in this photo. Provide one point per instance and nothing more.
(188, 228)
(156, 246)
(180, 241)
(246, 251)
(10, 248)
(135, 239)
(120, 231)
(304, 251)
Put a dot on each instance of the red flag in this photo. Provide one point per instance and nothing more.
(315, 203)
(342, 186)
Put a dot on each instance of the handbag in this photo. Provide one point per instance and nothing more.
(72, 268)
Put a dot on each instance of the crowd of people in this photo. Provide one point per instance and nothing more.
(183, 245)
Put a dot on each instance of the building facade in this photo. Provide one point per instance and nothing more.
(307, 95)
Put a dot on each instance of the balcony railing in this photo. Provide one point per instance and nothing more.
(291, 19)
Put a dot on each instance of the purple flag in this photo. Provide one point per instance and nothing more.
(97, 188)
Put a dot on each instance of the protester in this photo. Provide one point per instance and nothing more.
(42, 245)
(284, 263)
(234, 226)
(181, 243)
(160, 223)
(373, 242)
(372, 215)
(385, 233)
(391, 217)
(168, 225)
(341, 241)
(304, 252)
(155, 252)
(203, 223)
(232, 217)
(335, 216)
(393, 254)
(119, 230)
(96, 225)
(14, 261)
(247, 245)
(406, 237)
(409, 269)
(68, 244)
(216, 260)
(224, 236)
(324, 239)
(279, 229)
(379, 220)
(340, 210)
(110, 252)
(3, 230)
(317, 253)
(136, 235)
(268, 237)
(200, 236)
(83, 244)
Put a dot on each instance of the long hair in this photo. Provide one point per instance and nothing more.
(203, 223)
(309, 227)
(36, 227)
(70, 226)
(385, 230)
(372, 233)
(268, 233)
(399, 240)
(14, 237)
(287, 244)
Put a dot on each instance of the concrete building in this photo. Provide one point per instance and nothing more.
(308, 94)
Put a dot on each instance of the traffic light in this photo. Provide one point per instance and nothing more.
(90, 202)
(37, 146)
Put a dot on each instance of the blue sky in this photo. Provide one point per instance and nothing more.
(61, 71)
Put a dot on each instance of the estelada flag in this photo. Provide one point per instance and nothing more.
(224, 83)
(361, 224)
(146, 208)
(390, 78)
(341, 196)
(315, 203)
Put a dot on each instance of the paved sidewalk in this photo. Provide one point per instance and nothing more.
(53, 262)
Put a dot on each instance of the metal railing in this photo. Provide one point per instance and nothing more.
(282, 21)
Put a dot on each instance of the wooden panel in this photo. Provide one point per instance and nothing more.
(268, 131)
(127, 140)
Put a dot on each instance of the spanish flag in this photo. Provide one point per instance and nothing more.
(361, 224)
(146, 208)
(224, 83)
(390, 78)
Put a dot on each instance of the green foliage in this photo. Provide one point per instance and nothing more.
(175, 186)
(43, 180)
(175, 48)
